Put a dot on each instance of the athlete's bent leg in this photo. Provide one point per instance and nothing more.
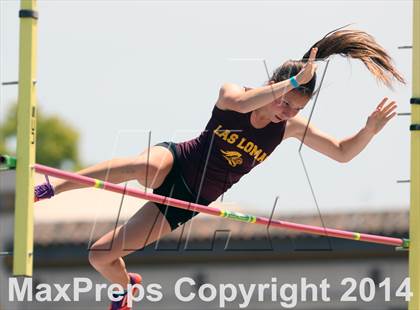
(145, 227)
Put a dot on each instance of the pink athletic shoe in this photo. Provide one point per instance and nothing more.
(122, 304)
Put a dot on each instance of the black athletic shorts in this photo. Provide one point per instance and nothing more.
(174, 186)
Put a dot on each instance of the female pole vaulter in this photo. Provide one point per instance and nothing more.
(245, 127)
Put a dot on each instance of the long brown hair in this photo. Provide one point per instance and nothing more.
(348, 43)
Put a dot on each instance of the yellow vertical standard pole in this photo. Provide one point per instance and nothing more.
(414, 254)
(26, 127)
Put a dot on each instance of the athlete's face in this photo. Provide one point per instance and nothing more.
(287, 106)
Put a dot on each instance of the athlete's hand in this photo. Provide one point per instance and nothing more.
(308, 70)
(383, 113)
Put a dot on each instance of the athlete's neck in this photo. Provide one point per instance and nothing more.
(259, 118)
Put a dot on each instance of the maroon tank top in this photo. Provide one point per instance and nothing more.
(225, 151)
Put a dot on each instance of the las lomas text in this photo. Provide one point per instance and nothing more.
(241, 143)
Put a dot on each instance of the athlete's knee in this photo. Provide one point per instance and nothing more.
(100, 257)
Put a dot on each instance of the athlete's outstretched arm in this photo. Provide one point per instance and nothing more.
(346, 149)
(233, 97)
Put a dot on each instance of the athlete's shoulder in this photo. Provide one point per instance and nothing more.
(295, 127)
(229, 93)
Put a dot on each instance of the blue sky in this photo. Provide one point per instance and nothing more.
(118, 69)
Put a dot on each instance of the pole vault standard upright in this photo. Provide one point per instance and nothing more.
(73, 177)
(414, 257)
(26, 137)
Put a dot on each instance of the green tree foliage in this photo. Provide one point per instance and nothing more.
(56, 144)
